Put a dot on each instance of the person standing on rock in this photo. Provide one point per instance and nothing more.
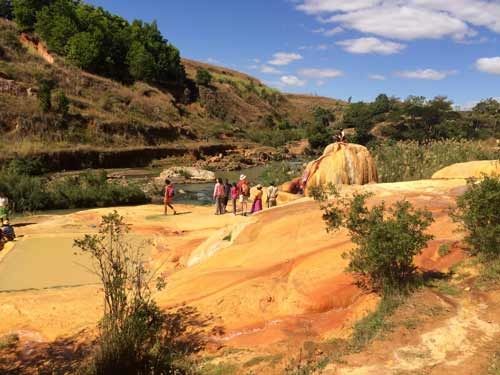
(4, 207)
(244, 192)
(272, 196)
(219, 195)
(227, 194)
(257, 200)
(169, 196)
(234, 196)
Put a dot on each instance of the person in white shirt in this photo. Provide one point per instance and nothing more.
(4, 207)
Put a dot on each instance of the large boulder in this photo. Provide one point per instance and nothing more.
(342, 164)
(472, 169)
(185, 173)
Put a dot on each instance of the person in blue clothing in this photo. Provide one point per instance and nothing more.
(8, 231)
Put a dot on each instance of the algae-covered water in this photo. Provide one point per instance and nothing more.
(44, 262)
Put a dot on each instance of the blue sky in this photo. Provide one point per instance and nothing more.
(340, 48)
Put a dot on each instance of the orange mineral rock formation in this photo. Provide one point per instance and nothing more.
(346, 164)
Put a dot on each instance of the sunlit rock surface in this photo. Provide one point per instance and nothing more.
(472, 169)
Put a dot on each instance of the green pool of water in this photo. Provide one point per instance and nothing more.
(38, 263)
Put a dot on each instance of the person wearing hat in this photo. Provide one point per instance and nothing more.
(7, 230)
(244, 192)
(257, 200)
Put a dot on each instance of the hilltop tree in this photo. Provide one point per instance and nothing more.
(25, 12)
(56, 24)
(83, 50)
(141, 63)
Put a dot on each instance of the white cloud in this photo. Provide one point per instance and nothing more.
(409, 19)
(377, 77)
(292, 81)
(371, 45)
(266, 69)
(428, 74)
(320, 74)
(284, 58)
(257, 61)
(211, 60)
(322, 6)
(489, 65)
(329, 32)
(403, 22)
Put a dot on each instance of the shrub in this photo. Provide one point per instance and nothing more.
(136, 337)
(478, 211)
(61, 103)
(386, 239)
(203, 77)
(45, 87)
(6, 9)
(411, 160)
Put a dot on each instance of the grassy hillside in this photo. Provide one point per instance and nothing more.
(106, 113)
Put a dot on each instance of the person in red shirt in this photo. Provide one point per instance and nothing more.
(234, 196)
(169, 196)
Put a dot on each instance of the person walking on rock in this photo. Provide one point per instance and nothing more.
(219, 195)
(272, 196)
(169, 196)
(257, 200)
(244, 192)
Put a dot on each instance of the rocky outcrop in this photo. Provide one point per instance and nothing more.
(342, 164)
(185, 173)
(36, 46)
(472, 169)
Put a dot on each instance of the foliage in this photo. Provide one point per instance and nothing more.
(386, 239)
(102, 43)
(83, 50)
(375, 323)
(478, 211)
(203, 77)
(410, 160)
(25, 12)
(6, 9)
(319, 133)
(279, 173)
(90, 189)
(274, 137)
(45, 87)
(61, 103)
(136, 337)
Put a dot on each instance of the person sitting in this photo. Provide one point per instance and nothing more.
(340, 137)
(8, 231)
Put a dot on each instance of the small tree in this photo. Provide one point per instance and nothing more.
(45, 87)
(136, 336)
(203, 77)
(84, 50)
(478, 211)
(61, 103)
(386, 240)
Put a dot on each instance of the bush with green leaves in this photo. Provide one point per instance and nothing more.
(136, 336)
(45, 87)
(203, 77)
(478, 211)
(61, 103)
(386, 239)
(28, 192)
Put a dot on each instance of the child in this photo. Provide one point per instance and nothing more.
(169, 196)
(8, 231)
(234, 196)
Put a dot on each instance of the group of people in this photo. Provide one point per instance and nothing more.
(225, 192)
(241, 192)
(7, 232)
